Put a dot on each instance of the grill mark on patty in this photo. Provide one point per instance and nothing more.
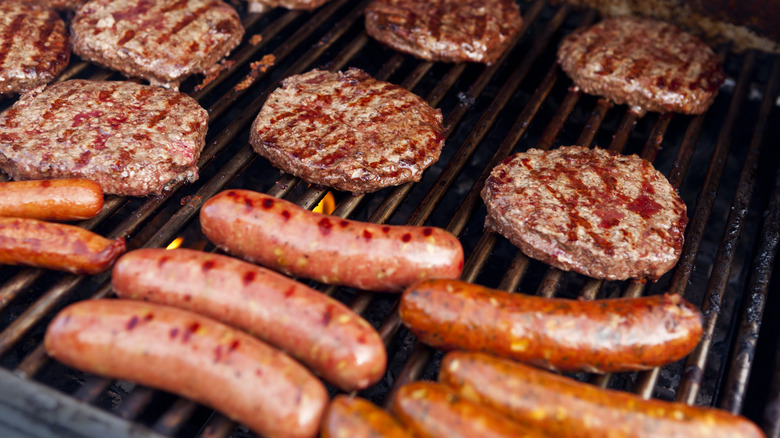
(58, 103)
(8, 36)
(169, 104)
(43, 36)
(127, 36)
(177, 5)
(189, 17)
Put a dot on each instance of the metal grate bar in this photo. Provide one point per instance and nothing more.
(756, 292)
(694, 366)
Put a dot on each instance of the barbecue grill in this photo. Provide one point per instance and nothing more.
(724, 164)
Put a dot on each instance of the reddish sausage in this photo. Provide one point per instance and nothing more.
(51, 200)
(565, 408)
(193, 356)
(62, 247)
(282, 236)
(354, 417)
(432, 410)
(568, 335)
(319, 331)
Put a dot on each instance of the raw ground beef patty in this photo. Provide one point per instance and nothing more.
(591, 211)
(648, 64)
(445, 30)
(33, 46)
(348, 131)
(160, 41)
(131, 139)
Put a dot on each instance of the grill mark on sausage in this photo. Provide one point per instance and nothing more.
(9, 35)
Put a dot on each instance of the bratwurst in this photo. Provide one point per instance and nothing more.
(191, 355)
(601, 336)
(324, 334)
(565, 408)
(285, 237)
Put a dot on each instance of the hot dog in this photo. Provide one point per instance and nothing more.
(282, 236)
(50, 245)
(319, 331)
(51, 200)
(193, 356)
(432, 410)
(354, 417)
(610, 335)
(565, 408)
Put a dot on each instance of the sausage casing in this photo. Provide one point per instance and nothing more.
(191, 355)
(610, 335)
(432, 410)
(321, 332)
(565, 408)
(354, 417)
(285, 237)
(51, 200)
(31, 242)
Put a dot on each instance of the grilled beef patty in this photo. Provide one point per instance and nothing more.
(264, 5)
(445, 30)
(33, 46)
(131, 139)
(161, 41)
(348, 130)
(591, 211)
(648, 64)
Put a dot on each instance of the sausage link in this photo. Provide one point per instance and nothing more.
(193, 356)
(324, 334)
(565, 408)
(51, 200)
(432, 410)
(354, 417)
(50, 245)
(285, 237)
(610, 335)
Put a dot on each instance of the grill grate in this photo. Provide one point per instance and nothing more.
(519, 102)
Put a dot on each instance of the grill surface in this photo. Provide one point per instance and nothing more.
(724, 163)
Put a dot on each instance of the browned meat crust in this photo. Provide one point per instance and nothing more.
(33, 46)
(348, 130)
(591, 211)
(645, 63)
(60, 5)
(131, 139)
(264, 5)
(445, 30)
(161, 41)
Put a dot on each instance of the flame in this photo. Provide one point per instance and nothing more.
(327, 205)
(176, 243)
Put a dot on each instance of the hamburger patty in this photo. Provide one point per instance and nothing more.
(161, 41)
(264, 5)
(131, 139)
(348, 130)
(33, 46)
(648, 64)
(445, 30)
(591, 211)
